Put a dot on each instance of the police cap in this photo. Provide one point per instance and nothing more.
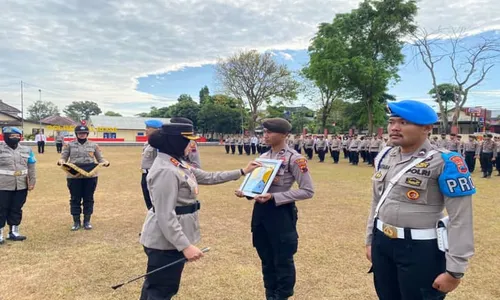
(81, 129)
(11, 130)
(413, 111)
(277, 125)
(181, 120)
(186, 130)
(153, 124)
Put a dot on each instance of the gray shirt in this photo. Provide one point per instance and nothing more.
(148, 156)
(86, 153)
(172, 183)
(426, 208)
(20, 160)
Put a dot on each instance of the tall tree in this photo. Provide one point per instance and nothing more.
(184, 97)
(185, 108)
(204, 95)
(112, 114)
(446, 95)
(82, 110)
(369, 40)
(470, 63)
(257, 78)
(219, 118)
(41, 110)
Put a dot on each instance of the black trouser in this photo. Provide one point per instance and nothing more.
(346, 153)
(497, 163)
(309, 152)
(240, 149)
(363, 155)
(59, 147)
(486, 163)
(82, 189)
(227, 148)
(11, 207)
(41, 147)
(247, 149)
(335, 155)
(354, 157)
(164, 284)
(274, 236)
(373, 154)
(258, 149)
(253, 146)
(233, 149)
(321, 154)
(470, 160)
(297, 148)
(405, 269)
(145, 191)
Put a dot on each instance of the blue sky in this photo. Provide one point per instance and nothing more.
(415, 79)
(130, 55)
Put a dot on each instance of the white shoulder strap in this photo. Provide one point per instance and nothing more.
(395, 179)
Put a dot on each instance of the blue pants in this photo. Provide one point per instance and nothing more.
(405, 269)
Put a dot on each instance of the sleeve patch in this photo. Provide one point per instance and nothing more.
(455, 180)
(31, 158)
(302, 163)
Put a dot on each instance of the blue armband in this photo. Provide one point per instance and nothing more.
(455, 180)
(31, 159)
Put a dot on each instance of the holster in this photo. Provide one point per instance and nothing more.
(442, 233)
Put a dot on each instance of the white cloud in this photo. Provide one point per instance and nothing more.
(286, 56)
(96, 50)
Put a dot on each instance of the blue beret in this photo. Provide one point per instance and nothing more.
(413, 111)
(12, 130)
(153, 123)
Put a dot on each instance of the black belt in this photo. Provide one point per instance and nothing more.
(187, 209)
(354, 148)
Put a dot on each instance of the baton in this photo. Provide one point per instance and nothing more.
(204, 250)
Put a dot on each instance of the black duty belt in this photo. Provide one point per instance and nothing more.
(186, 209)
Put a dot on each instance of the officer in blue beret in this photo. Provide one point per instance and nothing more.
(148, 157)
(416, 252)
(17, 177)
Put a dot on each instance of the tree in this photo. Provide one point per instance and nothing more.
(41, 110)
(204, 95)
(257, 78)
(369, 40)
(112, 114)
(184, 108)
(445, 94)
(184, 97)
(219, 118)
(470, 63)
(82, 110)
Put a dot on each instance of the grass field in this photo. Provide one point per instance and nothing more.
(55, 263)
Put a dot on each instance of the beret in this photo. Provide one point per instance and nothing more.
(277, 125)
(153, 123)
(14, 130)
(413, 111)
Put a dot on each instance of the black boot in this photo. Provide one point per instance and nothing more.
(14, 234)
(76, 223)
(484, 175)
(86, 222)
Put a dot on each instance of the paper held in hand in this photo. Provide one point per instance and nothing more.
(259, 180)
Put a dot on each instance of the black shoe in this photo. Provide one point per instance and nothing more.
(86, 222)
(484, 175)
(14, 234)
(76, 223)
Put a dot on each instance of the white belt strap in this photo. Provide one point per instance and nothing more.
(395, 179)
(14, 173)
(394, 232)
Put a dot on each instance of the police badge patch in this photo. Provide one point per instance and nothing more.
(455, 180)
(413, 181)
(302, 163)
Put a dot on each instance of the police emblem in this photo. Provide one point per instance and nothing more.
(302, 163)
(422, 165)
(459, 162)
(412, 195)
(413, 181)
(174, 161)
(378, 174)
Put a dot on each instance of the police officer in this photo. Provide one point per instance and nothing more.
(497, 159)
(362, 147)
(246, 144)
(148, 157)
(434, 141)
(82, 153)
(171, 228)
(321, 147)
(59, 141)
(227, 143)
(308, 146)
(335, 146)
(17, 177)
(470, 149)
(443, 142)
(263, 146)
(487, 153)
(353, 150)
(193, 155)
(375, 146)
(454, 143)
(239, 142)
(255, 142)
(274, 216)
(232, 143)
(297, 143)
(408, 260)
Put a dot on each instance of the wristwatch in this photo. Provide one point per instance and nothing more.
(456, 275)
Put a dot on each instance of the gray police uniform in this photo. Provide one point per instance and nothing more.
(274, 222)
(194, 155)
(321, 148)
(354, 151)
(335, 146)
(82, 188)
(486, 152)
(308, 147)
(470, 149)
(17, 173)
(148, 157)
(172, 224)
